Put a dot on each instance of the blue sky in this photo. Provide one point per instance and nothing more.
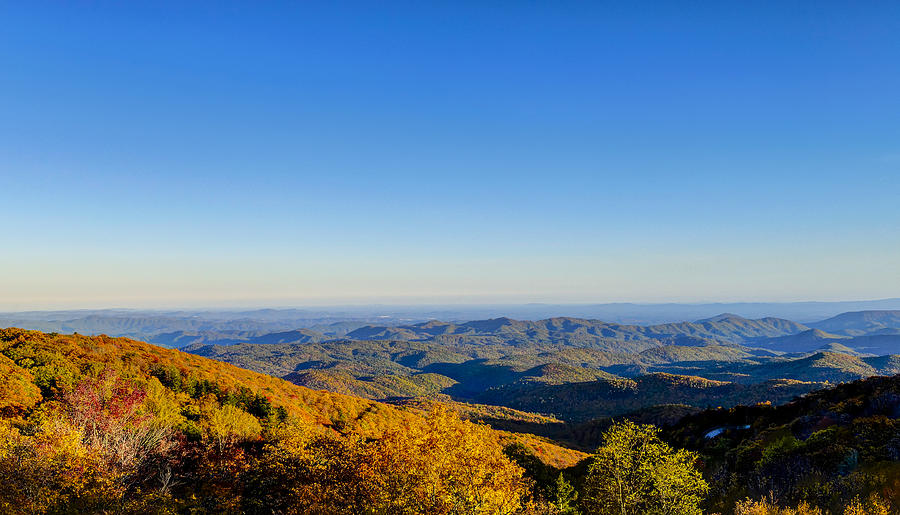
(156, 154)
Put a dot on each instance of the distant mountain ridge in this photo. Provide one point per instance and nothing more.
(335, 321)
(876, 332)
(775, 334)
(726, 328)
(857, 323)
(884, 340)
(805, 341)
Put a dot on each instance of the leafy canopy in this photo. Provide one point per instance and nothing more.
(635, 472)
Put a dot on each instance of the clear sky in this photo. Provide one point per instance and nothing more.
(189, 153)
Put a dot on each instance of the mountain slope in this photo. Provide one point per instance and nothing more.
(578, 402)
(879, 344)
(821, 366)
(111, 425)
(824, 448)
(857, 323)
(46, 356)
(806, 341)
(37, 367)
(832, 366)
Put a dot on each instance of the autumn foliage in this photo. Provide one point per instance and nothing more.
(111, 425)
(101, 425)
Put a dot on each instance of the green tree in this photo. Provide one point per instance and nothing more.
(634, 472)
(565, 497)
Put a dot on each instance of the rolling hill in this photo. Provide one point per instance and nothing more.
(857, 323)
(580, 402)
(54, 361)
(806, 341)
(833, 367)
(725, 328)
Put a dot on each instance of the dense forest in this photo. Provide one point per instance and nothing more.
(112, 425)
(823, 450)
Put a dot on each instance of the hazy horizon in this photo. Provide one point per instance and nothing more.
(419, 304)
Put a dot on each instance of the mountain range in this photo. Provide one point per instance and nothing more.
(723, 328)
(335, 321)
(567, 367)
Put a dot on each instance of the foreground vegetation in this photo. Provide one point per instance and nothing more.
(824, 450)
(96, 425)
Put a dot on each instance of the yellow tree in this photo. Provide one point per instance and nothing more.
(875, 506)
(440, 465)
(635, 472)
(228, 424)
(310, 471)
(767, 507)
(446, 465)
(53, 471)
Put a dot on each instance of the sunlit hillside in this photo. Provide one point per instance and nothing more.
(97, 424)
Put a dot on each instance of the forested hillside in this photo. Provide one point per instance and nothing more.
(583, 401)
(96, 424)
(825, 449)
(857, 323)
(587, 333)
